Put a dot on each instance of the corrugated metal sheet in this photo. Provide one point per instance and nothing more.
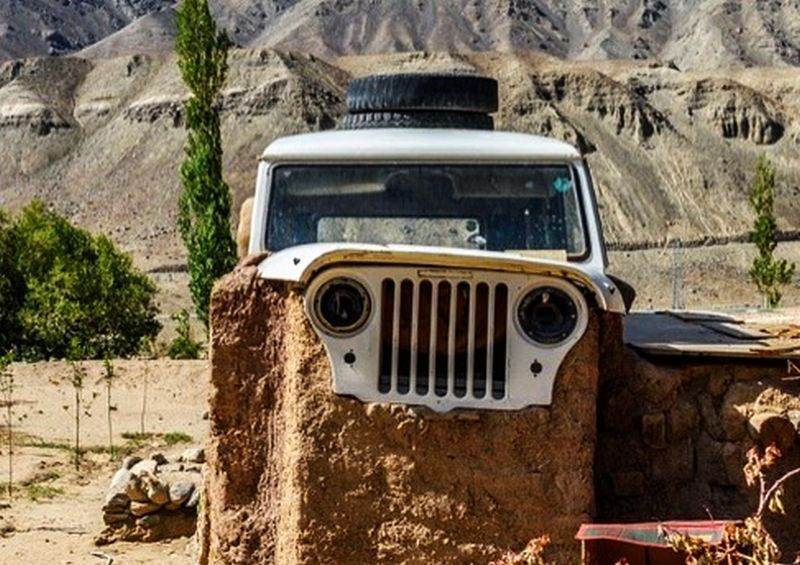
(756, 335)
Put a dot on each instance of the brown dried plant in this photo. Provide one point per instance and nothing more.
(746, 542)
(533, 554)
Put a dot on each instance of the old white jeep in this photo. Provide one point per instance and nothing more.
(443, 264)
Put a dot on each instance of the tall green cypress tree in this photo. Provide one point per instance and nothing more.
(768, 272)
(205, 203)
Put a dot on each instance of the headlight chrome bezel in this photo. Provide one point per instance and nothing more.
(572, 310)
(318, 297)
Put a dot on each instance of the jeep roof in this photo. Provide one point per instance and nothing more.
(419, 145)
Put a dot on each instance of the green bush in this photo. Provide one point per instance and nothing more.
(770, 273)
(73, 292)
(12, 288)
(183, 346)
(174, 438)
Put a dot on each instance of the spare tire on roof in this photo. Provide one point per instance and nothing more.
(424, 100)
(452, 120)
(422, 91)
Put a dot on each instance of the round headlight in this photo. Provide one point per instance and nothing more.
(342, 305)
(547, 315)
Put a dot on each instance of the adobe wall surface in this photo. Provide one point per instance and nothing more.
(672, 439)
(297, 474)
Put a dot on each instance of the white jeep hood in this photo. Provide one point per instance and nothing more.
(301, 263)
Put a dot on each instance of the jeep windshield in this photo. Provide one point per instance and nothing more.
(515, 208)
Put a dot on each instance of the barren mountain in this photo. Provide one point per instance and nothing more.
(691, 33)
(57, 27)
(672, 151)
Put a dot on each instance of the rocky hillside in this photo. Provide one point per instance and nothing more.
(693, 34)
(57, 27)
(672, 151)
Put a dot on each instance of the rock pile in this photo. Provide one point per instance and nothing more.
(153, 499)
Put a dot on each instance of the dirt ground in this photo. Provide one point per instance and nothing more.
(713, 277)
(55, 513)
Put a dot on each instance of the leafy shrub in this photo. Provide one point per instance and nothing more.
(71, 291)
(768, 272)
(174, 438)
(12, 288)
(183, 346)
(37, 492)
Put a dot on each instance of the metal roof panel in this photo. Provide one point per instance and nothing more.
(408, 144)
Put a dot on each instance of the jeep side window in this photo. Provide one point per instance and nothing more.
(494, 207)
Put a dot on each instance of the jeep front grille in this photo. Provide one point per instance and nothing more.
(443, 338)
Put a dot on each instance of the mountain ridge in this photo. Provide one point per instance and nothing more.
(689, 33)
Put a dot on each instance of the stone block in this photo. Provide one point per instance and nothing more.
(733, 459)
(130, 461)
(628, 483)
(119, 480)
(683, 420)
(194, 499)
(179, 493)
(656, 385)
(135, 490)
(654, 430)
(675, 464)
(719, 382)
(769, 428)
(155, 489)
(735, 409)
(116, 502)
(193, 455)
(710, 419)
(710, 462)
(159, 458)
(621, 412)
(115, 518)
(144, 467)
(142, 508)
(149, 521)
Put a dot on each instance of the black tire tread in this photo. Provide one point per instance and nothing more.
(407, 92)
(435, 120)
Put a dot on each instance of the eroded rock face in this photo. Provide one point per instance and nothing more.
(610, 101)
(736, 111)
(298, 474)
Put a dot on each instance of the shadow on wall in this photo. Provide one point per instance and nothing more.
(673, 437)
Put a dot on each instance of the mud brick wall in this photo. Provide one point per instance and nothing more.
(673, 435)
(297, 474)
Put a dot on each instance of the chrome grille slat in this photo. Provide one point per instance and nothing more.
(434, 333)
(473, 297)
(396, 333)
(451, 341)
(439, 347)
(490, 341)
(414, 336)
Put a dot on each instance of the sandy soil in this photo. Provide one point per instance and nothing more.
(55, 513)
